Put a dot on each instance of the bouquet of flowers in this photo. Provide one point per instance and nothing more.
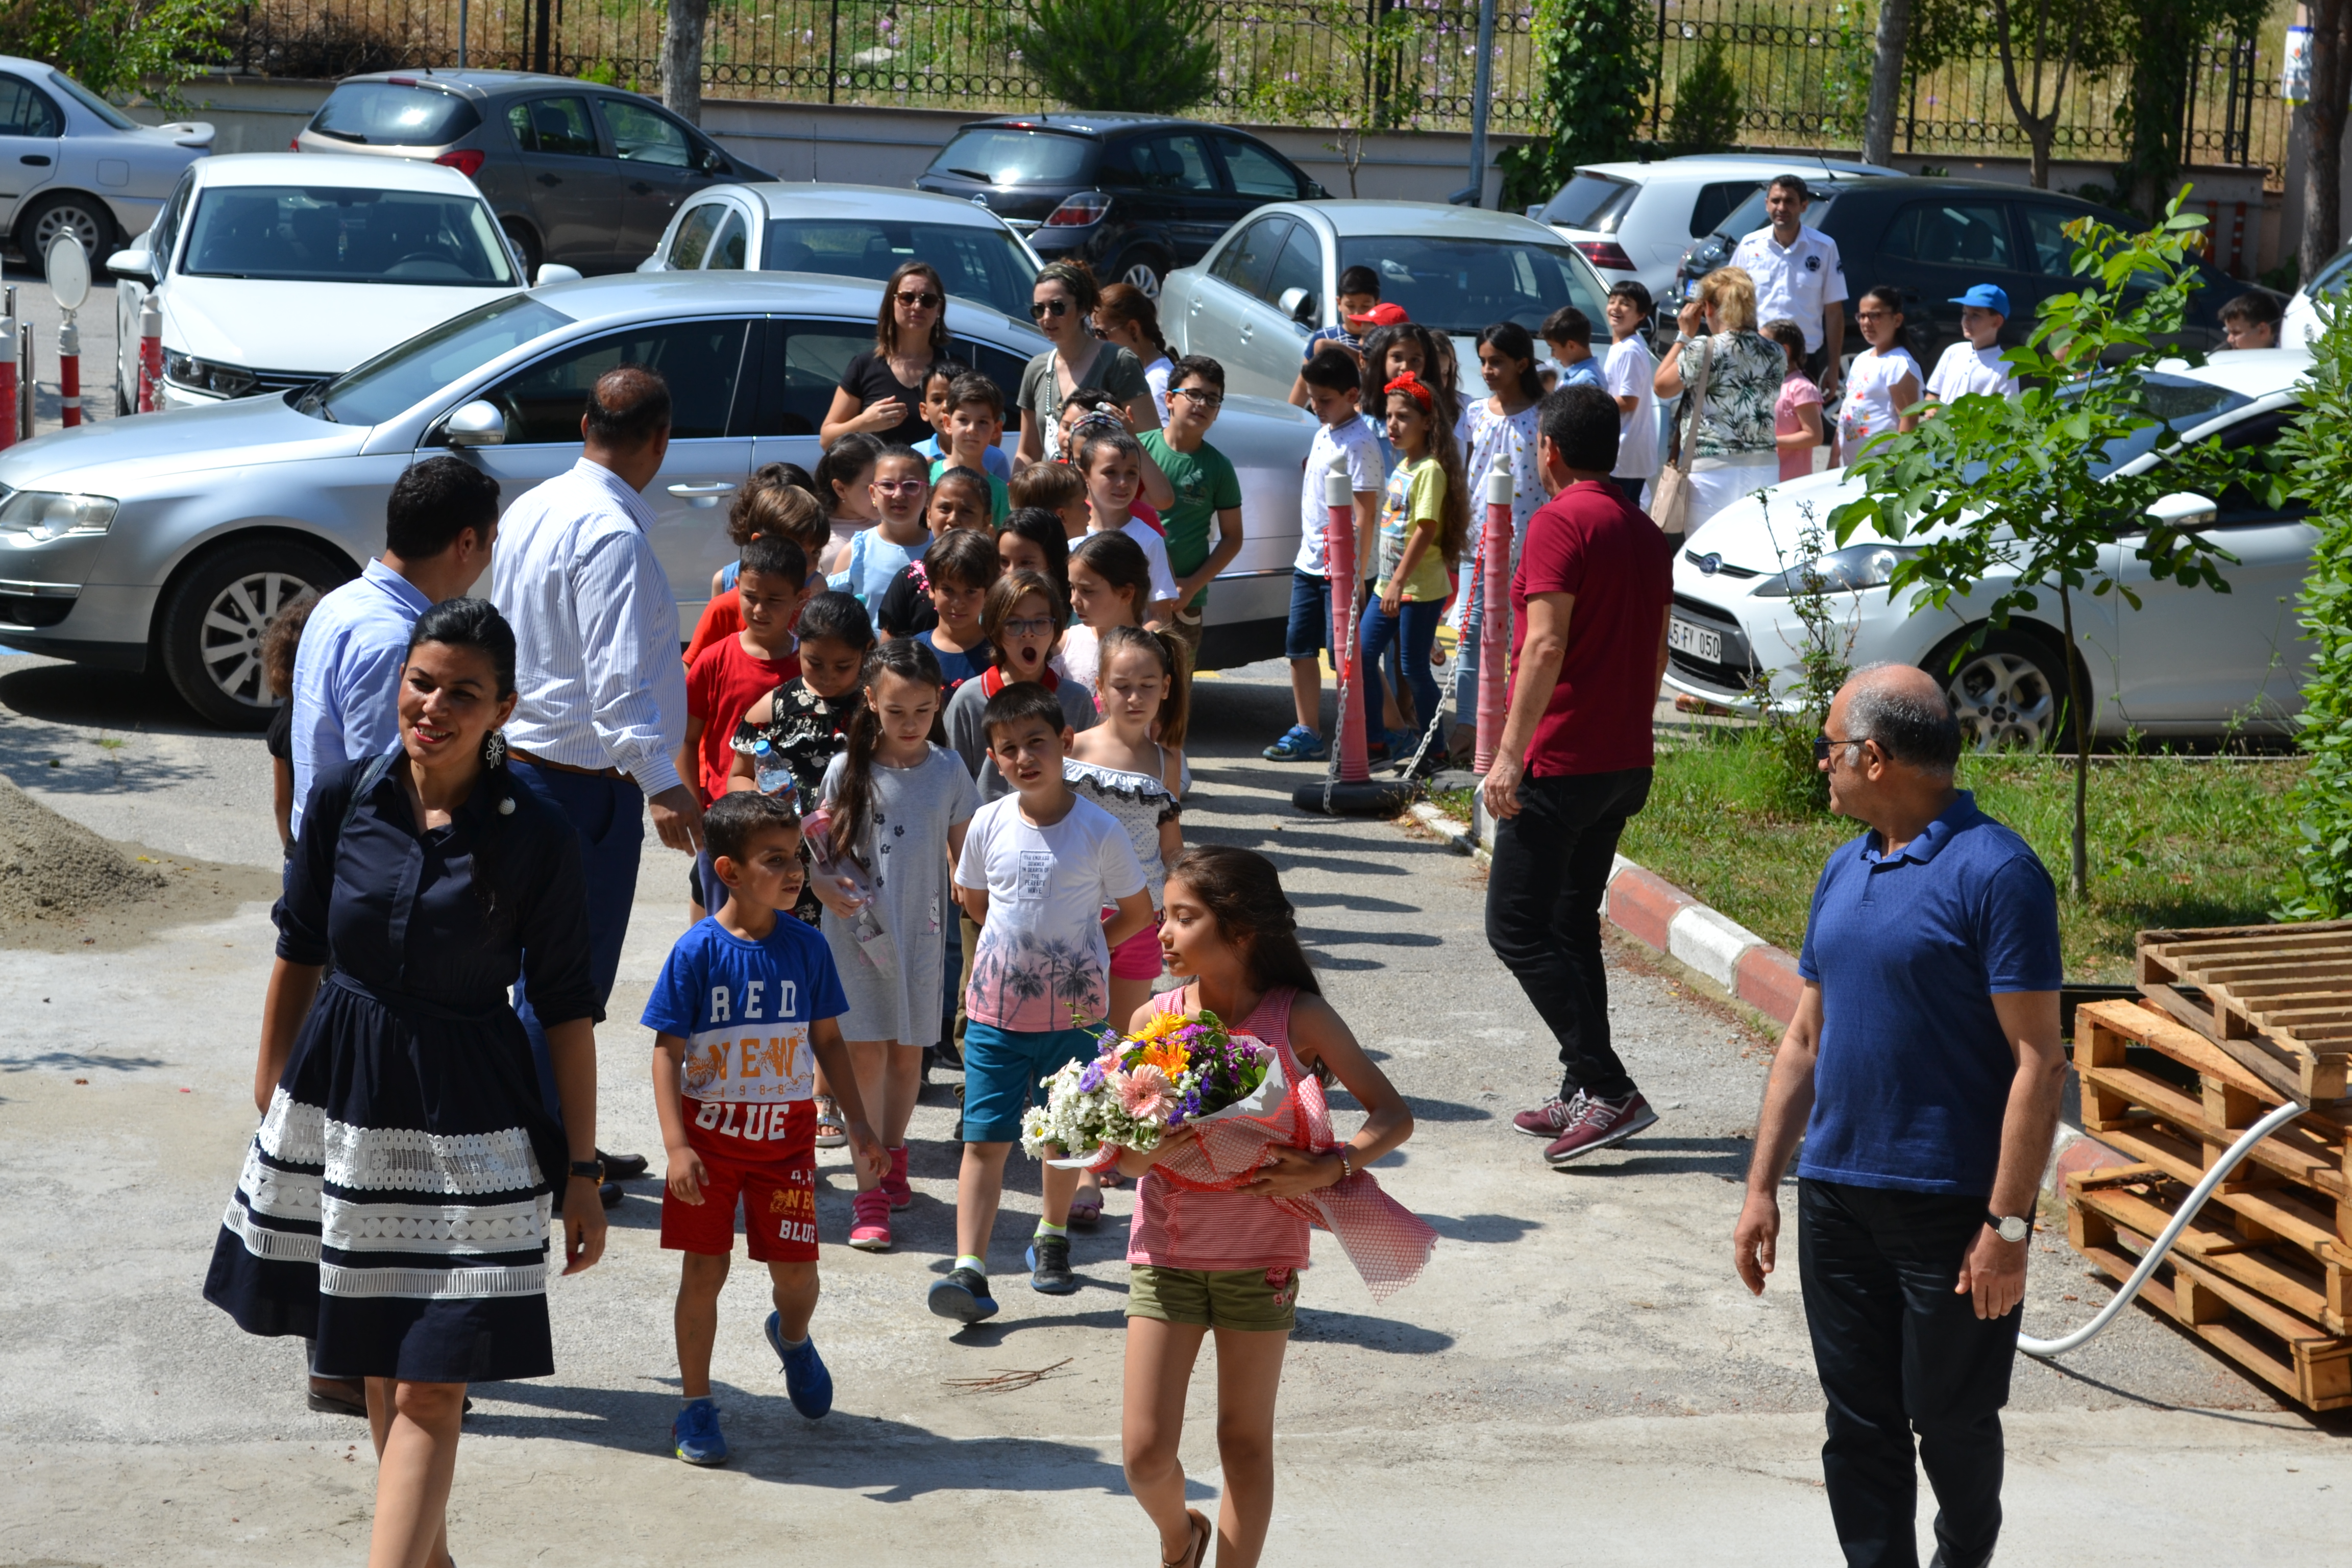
(1243, 1100)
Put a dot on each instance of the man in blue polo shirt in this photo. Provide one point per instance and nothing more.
(1926, 1050)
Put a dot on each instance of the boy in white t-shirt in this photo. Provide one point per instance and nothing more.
(1335, 388)
(1631, 375)
(1977, 364)
(1039, 867)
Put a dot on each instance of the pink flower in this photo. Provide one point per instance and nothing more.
(1145, 1093)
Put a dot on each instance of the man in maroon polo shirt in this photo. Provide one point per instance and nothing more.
(1589, 605)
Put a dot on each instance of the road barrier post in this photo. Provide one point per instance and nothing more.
(151, 355)
(70, 375)
(1340, 557)
(1494, 617)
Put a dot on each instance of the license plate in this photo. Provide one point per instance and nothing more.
(1687, 637)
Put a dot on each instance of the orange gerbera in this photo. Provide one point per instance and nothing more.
(1167, 1056)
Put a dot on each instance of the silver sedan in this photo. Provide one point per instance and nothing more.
(72, 162)
(173, 538)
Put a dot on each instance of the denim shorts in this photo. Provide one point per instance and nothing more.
(1310, 631)
(1001, 1070)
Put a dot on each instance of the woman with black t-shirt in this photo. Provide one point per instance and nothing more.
(881, 393)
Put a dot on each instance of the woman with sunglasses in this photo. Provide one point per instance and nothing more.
(881, 393)
(1063, 305)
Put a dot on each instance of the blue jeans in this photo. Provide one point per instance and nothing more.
(1411, 629)
(608, 815)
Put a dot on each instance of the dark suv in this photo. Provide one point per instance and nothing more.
(580, 174)
(1932, 239)
(1133, 197)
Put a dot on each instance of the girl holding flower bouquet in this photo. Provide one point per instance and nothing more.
(1229, 1261)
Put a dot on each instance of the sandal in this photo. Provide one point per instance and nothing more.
(830, 1132)
(1086, 1210)
(1199, 1549)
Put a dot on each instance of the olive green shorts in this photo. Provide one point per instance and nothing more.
(1262, 1301)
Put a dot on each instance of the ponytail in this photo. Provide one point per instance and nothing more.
(853, 802)
(1175, 709)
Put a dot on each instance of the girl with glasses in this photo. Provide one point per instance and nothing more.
(900, 489)
(1063, 305)
(881, 391)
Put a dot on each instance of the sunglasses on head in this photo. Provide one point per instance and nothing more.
(1042, 309)
(919, 298)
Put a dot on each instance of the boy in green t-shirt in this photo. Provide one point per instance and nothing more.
(976, 423)
(1206, 488)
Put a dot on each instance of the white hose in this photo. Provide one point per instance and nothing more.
(2163, 1243)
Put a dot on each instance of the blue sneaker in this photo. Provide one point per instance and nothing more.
(805, 1379)
(695, 1435)
(963, 1294)
(1298, 745)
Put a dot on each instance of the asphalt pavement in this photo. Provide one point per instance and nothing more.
(1577, 1378)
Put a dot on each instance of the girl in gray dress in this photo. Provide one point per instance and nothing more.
(896, 807)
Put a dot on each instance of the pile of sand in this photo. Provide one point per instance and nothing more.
(51, 868)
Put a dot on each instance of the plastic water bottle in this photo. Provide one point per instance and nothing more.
(770, 773)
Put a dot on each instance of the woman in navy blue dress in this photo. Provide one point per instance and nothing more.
(395, 1205)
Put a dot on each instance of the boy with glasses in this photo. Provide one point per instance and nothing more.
(1206, 489)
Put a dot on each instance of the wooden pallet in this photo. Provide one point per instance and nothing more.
(2239, 1296)
(2278, 998)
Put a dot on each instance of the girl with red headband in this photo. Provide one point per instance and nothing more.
(1424, 519)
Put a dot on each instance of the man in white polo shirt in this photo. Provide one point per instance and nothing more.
(1798, 275)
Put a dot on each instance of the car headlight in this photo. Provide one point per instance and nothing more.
(1847, 570)
(204, 375)
(40, 515)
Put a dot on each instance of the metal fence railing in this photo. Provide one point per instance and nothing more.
(1801, 68)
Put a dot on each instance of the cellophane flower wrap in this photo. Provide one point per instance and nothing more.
(1244, 1099)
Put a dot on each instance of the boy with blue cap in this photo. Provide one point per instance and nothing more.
(1975, 364)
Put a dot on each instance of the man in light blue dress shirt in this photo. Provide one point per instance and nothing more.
(438, 526)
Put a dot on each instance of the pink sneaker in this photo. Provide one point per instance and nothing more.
(894, 1181)
(869, 1227)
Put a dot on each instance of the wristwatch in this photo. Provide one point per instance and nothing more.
(592, 1169)
(2012, 1229)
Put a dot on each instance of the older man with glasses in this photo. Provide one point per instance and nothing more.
(1923, 1071)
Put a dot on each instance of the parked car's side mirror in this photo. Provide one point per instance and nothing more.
(1534, 209)
(1299, 306)
(709, 161)
(133, 266)
(556, 272)
(1316, 193)
(476, 424)
(2183, 508)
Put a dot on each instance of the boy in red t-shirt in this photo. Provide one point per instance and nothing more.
(734, 672)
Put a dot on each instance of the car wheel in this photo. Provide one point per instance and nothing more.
(2009, 693)
(1142, 270)
(526, 245)
(213, 620)
(84, 218)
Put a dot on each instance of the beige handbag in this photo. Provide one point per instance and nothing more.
(1670, 502)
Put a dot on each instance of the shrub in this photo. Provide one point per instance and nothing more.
(114, 47)
(2321, 469)
(1146, 57)
(1706, 105)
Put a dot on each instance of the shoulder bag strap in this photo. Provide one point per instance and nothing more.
(1695, 399)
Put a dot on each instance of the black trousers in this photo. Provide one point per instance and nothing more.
(1898, 1353)
(1543, 912)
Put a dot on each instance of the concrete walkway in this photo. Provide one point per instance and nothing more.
(1578, 1378)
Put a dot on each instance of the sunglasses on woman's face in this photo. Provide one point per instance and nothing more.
(923, 299)
(1045, 308)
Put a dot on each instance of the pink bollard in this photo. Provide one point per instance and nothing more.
(151, 356)
(1339, 559)
(7, 382)
(1494, 623)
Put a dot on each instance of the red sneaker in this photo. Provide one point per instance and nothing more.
(1598, 1124)
(894, 1180)
(869, 1221)
(1551, 1119)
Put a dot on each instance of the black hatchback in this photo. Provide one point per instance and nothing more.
(1932, 239)
(1133, 197)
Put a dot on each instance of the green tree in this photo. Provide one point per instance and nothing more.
(119, 48)
(1149, 57)
(2008, 495)
(1600, 62)
(2044, 47)
(2163, 42)
(1324, 74)
(1705, 116)
(2321, 464)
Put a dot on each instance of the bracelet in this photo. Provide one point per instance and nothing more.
(594, 1170)
(1346, 1168)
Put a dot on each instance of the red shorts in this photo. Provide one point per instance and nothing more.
(1138, 957)
(764, 1155)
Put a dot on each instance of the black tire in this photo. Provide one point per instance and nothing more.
(2009, 693)
(208, 636)
(526, 245)
(1146, 270)
(89, 219)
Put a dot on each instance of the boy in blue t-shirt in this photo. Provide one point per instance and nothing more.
(744, 1014)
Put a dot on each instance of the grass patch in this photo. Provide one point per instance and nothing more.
(1453, 802)
(2175, 841)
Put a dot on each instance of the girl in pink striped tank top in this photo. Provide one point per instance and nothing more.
(1231, 1261)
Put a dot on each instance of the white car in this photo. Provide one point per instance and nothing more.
(850, 231)
(1273, 279)
(1636, 220)
(2301, 322)
(2188, 661)
(72, 162)
(273, 272)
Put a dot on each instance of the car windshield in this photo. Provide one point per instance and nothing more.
(325, 234)
(91, 101)
(402, 377)
(986, 265)
(1005, 156)
(1463, 285)
(2181, 403)
(394, 114)
(2332, 278)
(1589, 200)
(1749, 215)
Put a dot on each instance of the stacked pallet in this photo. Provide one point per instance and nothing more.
(2263, 1273)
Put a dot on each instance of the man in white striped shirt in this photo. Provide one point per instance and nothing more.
(600, 709)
